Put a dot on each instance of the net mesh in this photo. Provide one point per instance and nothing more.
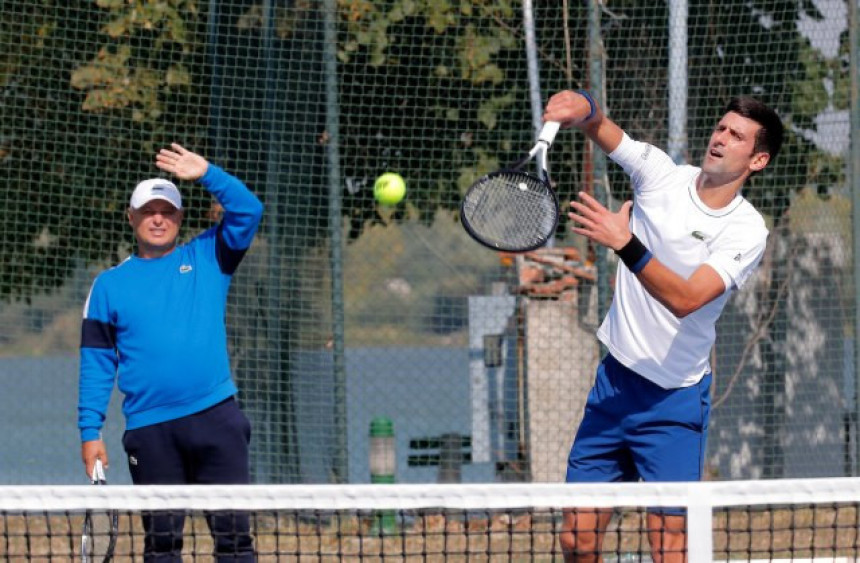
(345, 310)
(511, 211)
(743, 520)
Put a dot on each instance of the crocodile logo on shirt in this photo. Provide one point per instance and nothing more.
(698, 235)
(185, 268)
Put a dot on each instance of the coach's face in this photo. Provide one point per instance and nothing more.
(156, 227)
(731, 151)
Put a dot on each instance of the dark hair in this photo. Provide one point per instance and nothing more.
(769, 137)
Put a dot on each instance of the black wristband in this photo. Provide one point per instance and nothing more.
(634, 254)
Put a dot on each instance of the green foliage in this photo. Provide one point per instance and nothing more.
(475, 75)
(49, 201)
(810, 95)
(120, 76)
(766, 66)
(111, 84)
(88, 89)
(472, 67)
(124, 77)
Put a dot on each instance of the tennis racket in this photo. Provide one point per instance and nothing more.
(512, 210)
(100, 530)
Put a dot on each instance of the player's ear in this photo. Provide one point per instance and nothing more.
(130, 218)
(759, 161)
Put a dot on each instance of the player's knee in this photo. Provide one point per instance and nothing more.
(668, 539)
(579, 546)
(568, 542)
(582, 534)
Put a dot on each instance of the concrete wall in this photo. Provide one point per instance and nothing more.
(562, 357)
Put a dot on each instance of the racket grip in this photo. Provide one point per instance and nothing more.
(98, 476)
(548, 133)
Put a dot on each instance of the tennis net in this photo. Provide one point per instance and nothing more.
(806, 519)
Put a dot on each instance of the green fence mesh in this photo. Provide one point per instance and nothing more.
(345, 310)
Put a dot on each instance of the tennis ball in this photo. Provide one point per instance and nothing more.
(389, 188)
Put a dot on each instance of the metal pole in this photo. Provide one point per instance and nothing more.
(535, 95)
(854, 168)
(677, 145)
(532, 66)
(215, 88)
(271, 436)
(596, 54)
(340, 467)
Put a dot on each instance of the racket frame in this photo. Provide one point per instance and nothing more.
(98, 478)
(551, 196)
(539, 153)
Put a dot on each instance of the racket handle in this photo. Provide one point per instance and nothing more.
(548, 133)
(98, 476)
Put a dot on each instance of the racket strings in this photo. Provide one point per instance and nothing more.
(511, 211)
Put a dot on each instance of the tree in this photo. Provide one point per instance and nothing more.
(70, 151)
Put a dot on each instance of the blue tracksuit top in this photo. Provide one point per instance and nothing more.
(157, 326)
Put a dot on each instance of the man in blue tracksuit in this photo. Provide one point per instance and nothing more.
(155, 324)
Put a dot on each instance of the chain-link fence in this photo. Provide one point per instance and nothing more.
(346, 311)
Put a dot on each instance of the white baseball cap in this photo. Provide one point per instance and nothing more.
(155, 188)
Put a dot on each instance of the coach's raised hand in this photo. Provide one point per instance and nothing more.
(571, 108)
(181, 162)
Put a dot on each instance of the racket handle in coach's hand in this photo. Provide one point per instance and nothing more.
(548, 132)
(98, 476)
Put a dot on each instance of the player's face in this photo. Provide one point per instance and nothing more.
(731, 150)
(156, 227)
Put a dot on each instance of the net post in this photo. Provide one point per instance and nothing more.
(700, 539)
(382, 468)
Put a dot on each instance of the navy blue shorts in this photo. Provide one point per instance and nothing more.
(634, 429)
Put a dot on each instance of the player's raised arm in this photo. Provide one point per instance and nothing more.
(680, 295)
(576, 108)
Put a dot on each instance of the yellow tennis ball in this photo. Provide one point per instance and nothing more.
(389, 188)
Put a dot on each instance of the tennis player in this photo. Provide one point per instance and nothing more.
(155, 323)
(689, 240)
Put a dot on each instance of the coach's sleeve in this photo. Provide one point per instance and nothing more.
(98, 363)
(242, 215)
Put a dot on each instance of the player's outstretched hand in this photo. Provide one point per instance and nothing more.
(570, 108)
(181, 162)
(599, 224)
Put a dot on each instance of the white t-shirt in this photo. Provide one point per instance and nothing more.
(683, 233)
